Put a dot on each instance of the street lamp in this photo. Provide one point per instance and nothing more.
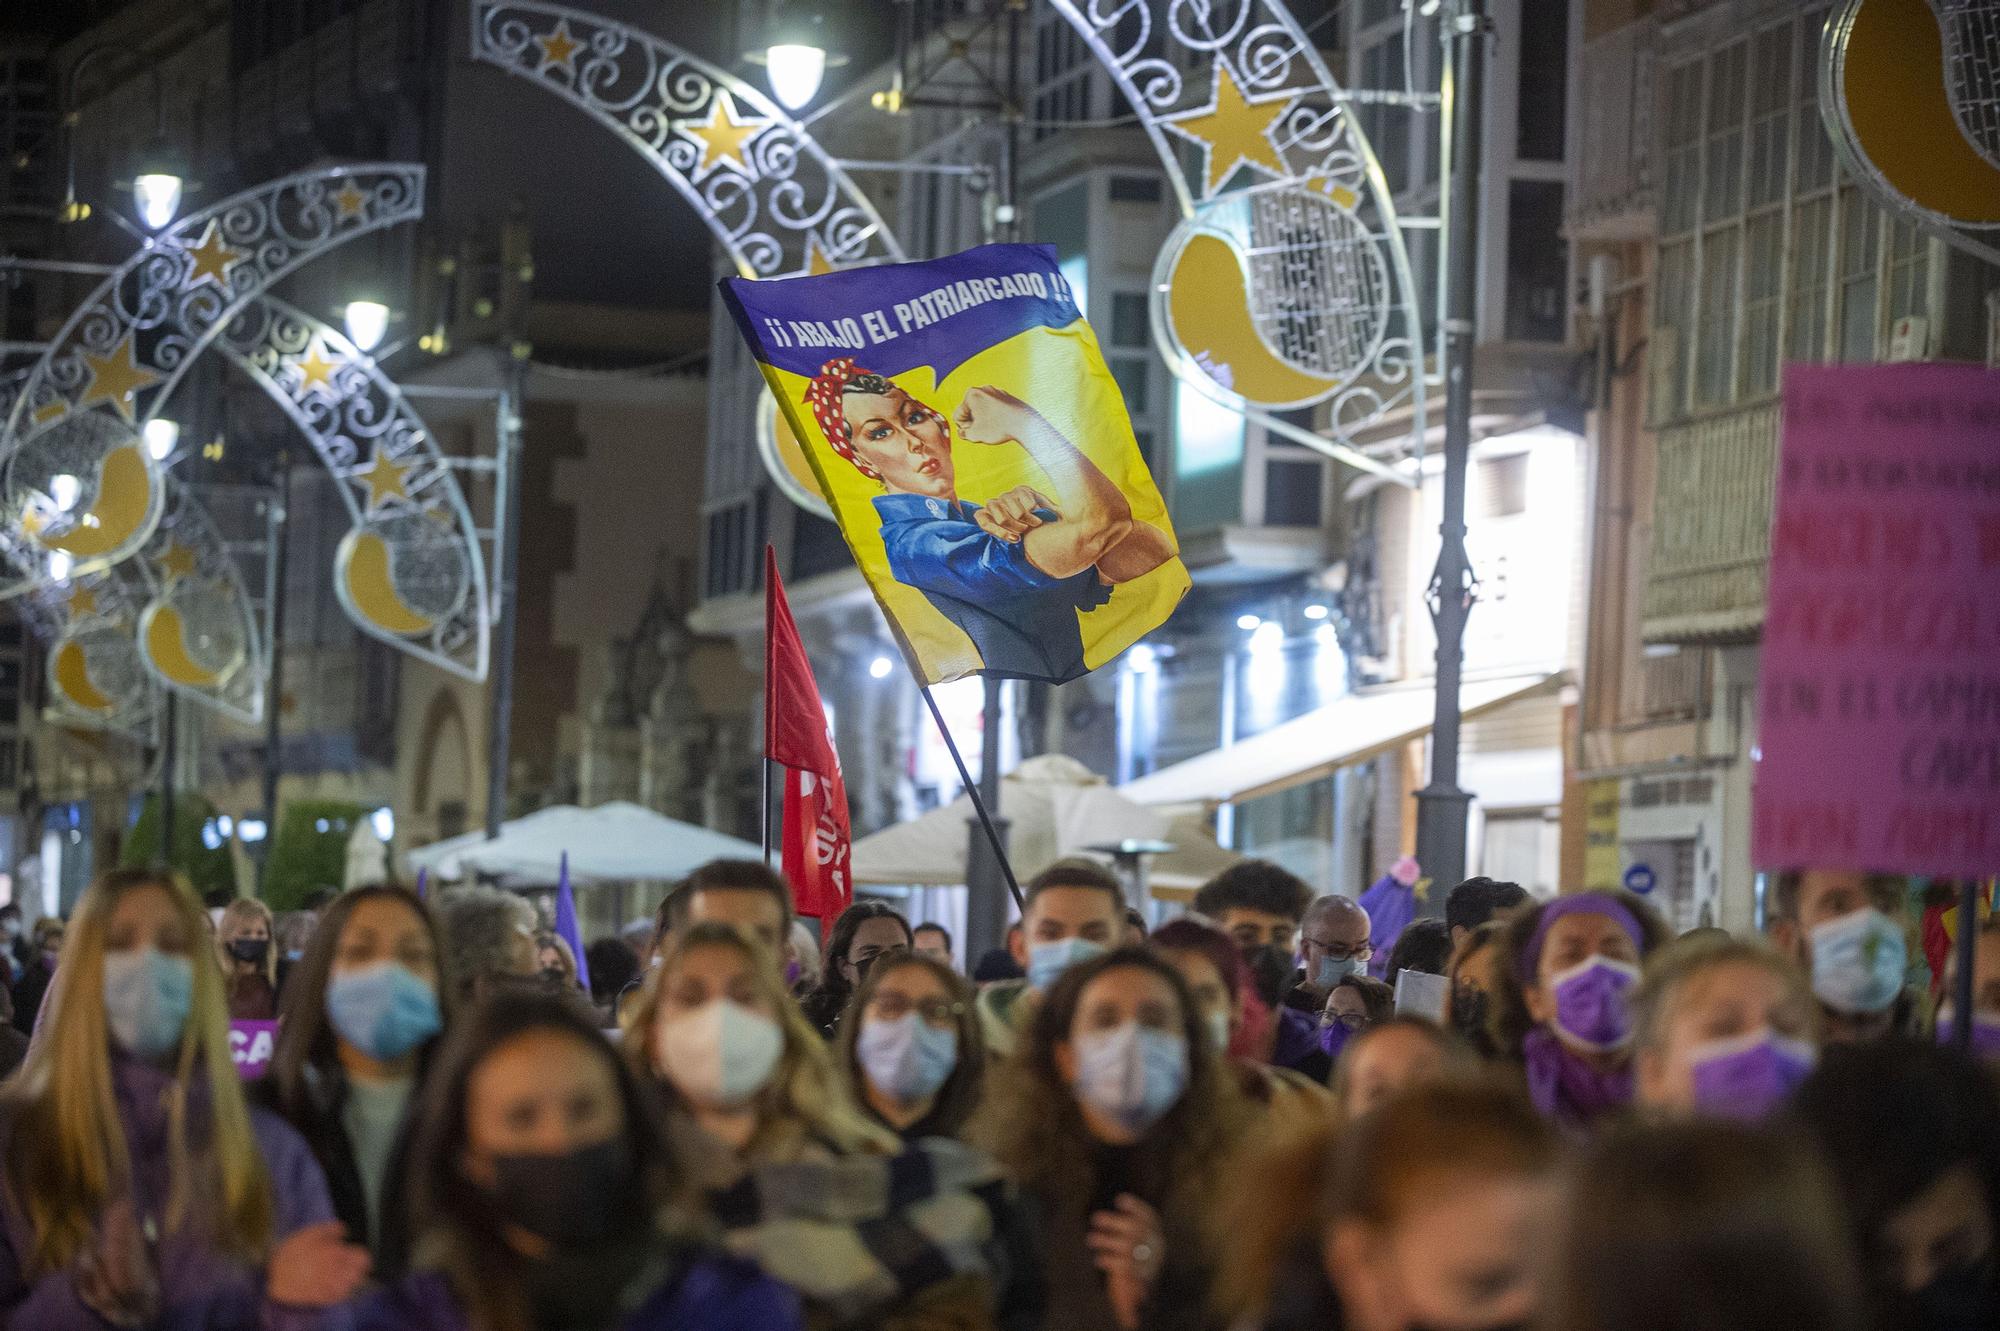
(64, 490)
(158, 183)
(161, 437)
(796, 53)
(367, 322)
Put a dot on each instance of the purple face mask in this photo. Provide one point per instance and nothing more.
(1748, 1076)
(1985, 1033)
(1334, 1038)
(1590, 1003)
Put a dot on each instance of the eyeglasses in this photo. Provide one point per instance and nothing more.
(934, 1011)
(1341, 951)
(1354, 1021)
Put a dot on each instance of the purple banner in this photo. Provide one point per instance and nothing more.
(251, 1044)
(1879, 687)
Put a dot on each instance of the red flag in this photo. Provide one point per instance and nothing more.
(817, 840)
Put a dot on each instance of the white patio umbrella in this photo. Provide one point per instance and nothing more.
(1055, 807)
(616, 841)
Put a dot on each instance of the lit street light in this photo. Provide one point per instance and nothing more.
(367, 322)
(796, 53)
(64, 490)
(158, 183)
(161, 437)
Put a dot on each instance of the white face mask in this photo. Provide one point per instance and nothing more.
(718, 1055)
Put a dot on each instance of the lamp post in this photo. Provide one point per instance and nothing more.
(1442, 806)
(797, 52)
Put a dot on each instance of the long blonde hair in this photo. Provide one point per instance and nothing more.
(241, 911)
(806, 1098)
(66, 1156)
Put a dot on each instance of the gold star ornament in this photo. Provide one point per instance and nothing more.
(559, 49)
(349, 202)
(316, 369)
(384, 479)
(82, 601)
(209, 261)
(177, 561)
(723, 137)
(816, 260)
(116, 377)
(1233, 131)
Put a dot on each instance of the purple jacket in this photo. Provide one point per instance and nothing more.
(200, 1289)
(714, 1294)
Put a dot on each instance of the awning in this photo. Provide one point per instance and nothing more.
(1314, 746)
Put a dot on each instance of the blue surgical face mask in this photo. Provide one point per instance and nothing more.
(147, 997)
(384, 1010)
(1131, 1073)
(1048, 961)
(1328, 972)
(1858, 962)
(907, 1059)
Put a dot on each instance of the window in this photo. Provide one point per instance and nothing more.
(1502, 487)
(1537, 261)
(1135, 189)
(1860, 251)
(1128, 319)
(1544, 32)
(1909, 269)
(1292, 492)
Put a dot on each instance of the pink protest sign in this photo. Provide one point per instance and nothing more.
(251, 1044)
(1879, 688)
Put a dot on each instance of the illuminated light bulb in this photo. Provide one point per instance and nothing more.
(161, 437)
(1248, 623)
(64, 490)
(158, 197)
(880, 667)
(60, 564)
(1316, 611)
(367, 323)
(795, 72)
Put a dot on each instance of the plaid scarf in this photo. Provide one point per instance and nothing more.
(856, 1235)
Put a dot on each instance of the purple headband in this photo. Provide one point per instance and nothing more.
(1579, 903)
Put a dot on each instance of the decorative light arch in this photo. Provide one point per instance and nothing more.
(83, 407)
(1296, 290)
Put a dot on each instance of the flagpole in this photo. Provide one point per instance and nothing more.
(764, 808)
(770, 717)
(972, 789)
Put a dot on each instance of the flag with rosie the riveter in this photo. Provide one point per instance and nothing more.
(963, 427)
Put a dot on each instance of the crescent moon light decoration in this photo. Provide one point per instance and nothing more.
(772, 197)
(123, 350)
(1287, 284)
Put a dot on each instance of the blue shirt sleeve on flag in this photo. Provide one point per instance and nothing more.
(960, 559)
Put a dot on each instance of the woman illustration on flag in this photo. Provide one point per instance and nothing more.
(1012, 573)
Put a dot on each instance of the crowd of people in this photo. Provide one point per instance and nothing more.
(1252, 1118)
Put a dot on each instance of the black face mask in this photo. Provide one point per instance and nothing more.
(1271, 968)
(555, 977)
(1960, 1298)
(250, 949)
(569, 1200)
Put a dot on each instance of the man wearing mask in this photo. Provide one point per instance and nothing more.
(1845, 928)
(1072, 911)
(1258, 904)
(1334, 943)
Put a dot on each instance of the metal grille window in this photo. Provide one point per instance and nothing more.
(1765, 254)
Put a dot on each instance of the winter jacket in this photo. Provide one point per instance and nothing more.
(201, 1289)
(712, 1293)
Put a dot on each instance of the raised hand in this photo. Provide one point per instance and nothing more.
(991, 415)
(1128, 1244)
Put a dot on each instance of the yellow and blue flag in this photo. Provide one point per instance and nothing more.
(961, 422)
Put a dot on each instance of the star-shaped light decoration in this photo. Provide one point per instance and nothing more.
(816, 260)
(82, 601)
(210, 260)
(559, 49)
(722, 136)
(316, 369)
(384, 479)
(1233, 130)
(116, 377)
(177, 561)
(349, 202)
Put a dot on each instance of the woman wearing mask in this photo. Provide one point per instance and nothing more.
(867, 1230)
(1721, 1028)
(362, 1014)
(243, 942)
(912, 1048)
(140, 1189)
(1720, 1226)
(1355, 1003)
(1116, 1123)
(1218, 978)
(865, 932)
(555, 963)
(1912, 1133)
(1428, 1214)
(1575, 960)
(1398, 1055)
(544, 1197)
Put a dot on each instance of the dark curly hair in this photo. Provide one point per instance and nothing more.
(1257, 885)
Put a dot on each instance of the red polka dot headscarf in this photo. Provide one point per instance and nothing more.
(835, 379)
